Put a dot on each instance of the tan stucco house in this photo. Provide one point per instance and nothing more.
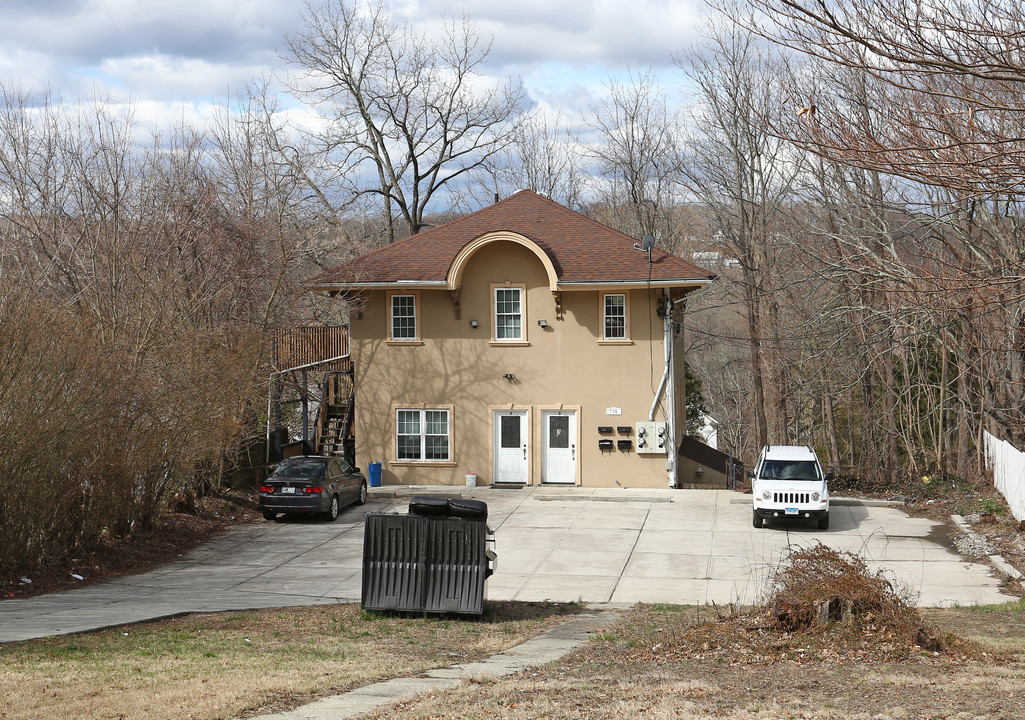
(525, 343)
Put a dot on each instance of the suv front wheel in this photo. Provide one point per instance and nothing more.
(756, 519)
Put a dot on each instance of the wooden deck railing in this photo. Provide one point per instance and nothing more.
(302, 346)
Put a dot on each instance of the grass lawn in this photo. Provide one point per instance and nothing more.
(227, 665)
(658, 661)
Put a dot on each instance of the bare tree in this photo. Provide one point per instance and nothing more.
(407, 115)
(637, 154)
(929, 96)
(543, 157)
(948, 75)
(745, 177)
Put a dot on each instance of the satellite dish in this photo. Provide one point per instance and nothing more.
(648, 243)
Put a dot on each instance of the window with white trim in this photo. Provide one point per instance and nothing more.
(422, 435)
(508, 313)
(403, 317)
(614, 316)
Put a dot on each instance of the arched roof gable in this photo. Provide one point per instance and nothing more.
(454, 278)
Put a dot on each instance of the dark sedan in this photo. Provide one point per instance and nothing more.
(312, 485)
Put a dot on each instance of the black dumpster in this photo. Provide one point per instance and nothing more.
(434, 560)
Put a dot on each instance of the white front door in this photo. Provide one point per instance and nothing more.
(560, 446)
(511, 451)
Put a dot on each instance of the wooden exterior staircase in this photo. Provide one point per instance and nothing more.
(333, 430)
(299, 356)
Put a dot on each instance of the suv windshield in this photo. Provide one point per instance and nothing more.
(308, 469)
(789, 470)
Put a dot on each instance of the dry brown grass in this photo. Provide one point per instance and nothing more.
(222, 666)
(696, 664)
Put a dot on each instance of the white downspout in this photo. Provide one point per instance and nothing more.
(667, 386)
(671, 458)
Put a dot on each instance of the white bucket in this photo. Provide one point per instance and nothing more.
(471, 479)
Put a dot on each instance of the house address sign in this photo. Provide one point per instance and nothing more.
(613, 411)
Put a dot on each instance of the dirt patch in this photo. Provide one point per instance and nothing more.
(174, 535)
(1004, 535)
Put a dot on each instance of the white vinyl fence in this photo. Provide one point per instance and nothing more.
(1008, 466)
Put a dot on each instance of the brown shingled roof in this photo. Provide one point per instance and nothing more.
(581, 250)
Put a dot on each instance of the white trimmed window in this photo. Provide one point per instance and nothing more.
(614, 316)
(508, 313)
(403, 317)
(422, 435)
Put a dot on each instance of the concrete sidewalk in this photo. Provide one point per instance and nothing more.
(563, 544)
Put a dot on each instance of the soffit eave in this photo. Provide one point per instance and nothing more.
(635, 284)
(339, 287)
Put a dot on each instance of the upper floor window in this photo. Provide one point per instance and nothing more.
(403, 317)
(614, 316)
(508, 313)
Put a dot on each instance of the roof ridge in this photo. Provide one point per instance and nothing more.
(592, 221)
(461, 218)
(419, 235)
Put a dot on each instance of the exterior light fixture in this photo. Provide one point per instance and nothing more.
(542, 323)
(473, 324)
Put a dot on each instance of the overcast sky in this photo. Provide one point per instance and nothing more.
(178, 58)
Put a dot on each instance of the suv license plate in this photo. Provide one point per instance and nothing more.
(291, 491)
(793, 511)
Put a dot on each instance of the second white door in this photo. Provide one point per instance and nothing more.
(559, 464)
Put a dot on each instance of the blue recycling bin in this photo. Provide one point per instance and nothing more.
(375, 474)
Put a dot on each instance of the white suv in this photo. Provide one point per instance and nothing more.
(787, 483)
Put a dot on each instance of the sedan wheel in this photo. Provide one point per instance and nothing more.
(268, 515)
(362, 493)
(332, 513)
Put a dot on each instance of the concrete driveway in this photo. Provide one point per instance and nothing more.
(562, 544)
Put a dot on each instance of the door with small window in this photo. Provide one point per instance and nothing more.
(511, 445)
(560, 446)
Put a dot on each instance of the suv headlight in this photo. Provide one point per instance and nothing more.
(767, 495)
(815, 496)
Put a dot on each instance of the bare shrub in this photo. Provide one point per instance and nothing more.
(93, 443)
(820, 586)
(55, 396)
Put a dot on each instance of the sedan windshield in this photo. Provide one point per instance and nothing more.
(303, 470)
(790, 470)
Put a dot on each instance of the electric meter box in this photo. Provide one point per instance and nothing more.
(651, 438)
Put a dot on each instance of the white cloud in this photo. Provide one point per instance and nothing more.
(583, 33)
(193, 52)
(174, 78)
(87, 33)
